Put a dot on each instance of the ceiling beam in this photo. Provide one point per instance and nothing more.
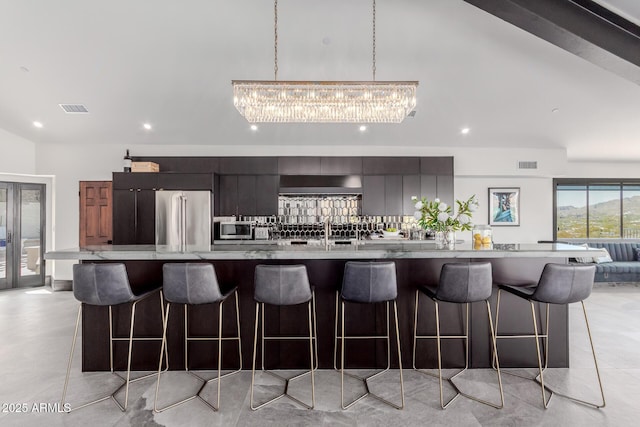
(581, 27)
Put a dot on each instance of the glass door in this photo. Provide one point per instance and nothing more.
(22, 214)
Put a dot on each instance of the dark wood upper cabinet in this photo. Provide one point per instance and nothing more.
(436, 165)
(428, 186)
(390, 165)
(227, 199)
(444, 185)
(410, 188)
(340, 165)
(267, 187)
(248, 165)
(131, 180)
(299, 165)
(185, 181)
(373, 189)
(393, 195)
(183, 164)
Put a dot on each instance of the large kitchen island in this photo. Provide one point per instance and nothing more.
(417, 263)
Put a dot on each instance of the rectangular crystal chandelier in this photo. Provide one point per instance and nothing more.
(274, 101)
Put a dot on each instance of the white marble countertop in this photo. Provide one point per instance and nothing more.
(362, 251)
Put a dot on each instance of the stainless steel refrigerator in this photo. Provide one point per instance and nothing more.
(183, 220)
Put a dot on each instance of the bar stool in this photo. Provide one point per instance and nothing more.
(368, 283)
(192, 284)
(108, 285)
(558, 284)
(460, 283)
(284, 285)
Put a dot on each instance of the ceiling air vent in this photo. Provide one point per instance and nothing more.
(528, 165)
(74, 108)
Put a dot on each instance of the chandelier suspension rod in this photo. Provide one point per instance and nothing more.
(275, 40)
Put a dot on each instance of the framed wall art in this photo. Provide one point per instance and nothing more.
(504, 206)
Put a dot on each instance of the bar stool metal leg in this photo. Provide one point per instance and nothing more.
(312, 356)
(219, 339)
(130, 339)
(365, 380)
(578, 279)
(465, 337)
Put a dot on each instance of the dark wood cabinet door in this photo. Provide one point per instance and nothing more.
(393, 195)
(373, 187)
(340, 165)
(96, 211)
(428, 186)
(185, 181)
(145, 228)
(248, 165)
(228, 195)
(267, 187)
(390, 165)
(299, 165)
(445, 188)
(124, 219)
(436, 165)
(410, 188)
(142, 180)
(247, 194)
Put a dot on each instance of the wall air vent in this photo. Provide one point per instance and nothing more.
(74, 108)
(528, 165)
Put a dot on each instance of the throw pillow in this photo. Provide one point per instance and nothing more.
(637, 250)
(603, 258)
(584, 259)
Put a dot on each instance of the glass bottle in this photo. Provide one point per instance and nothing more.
(126, 162)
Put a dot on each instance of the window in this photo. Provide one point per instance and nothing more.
(586, 208)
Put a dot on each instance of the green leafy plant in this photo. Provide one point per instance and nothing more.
(437, 216)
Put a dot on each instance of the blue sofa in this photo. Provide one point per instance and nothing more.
(624, 268)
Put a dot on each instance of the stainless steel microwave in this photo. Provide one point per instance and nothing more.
(236, 230)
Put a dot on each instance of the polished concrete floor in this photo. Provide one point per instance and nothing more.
(36, 326)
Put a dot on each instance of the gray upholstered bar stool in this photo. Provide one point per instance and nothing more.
(558, 284)
(368, 283)
(192, 284)
(283, 285)
(108, 285)
(460, 283)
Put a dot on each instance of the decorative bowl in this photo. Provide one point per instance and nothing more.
(390, 233)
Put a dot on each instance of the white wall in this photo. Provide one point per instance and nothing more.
(17, 155)
(475, 171)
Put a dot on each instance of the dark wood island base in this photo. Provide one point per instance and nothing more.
(326, 276)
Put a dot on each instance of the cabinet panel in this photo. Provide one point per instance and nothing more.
(428, 186)
(142, 180)
(436, 165)
(340, 165)
(410, 188)
(267, 187)
(246, 194)
(123, 217)
(393, 195)
(185, 181)
(445, 188)
(299, 165)
(373, 202)
(228, 195)
(391, 165)
(134, 217)
(145, 229)
(248, 165)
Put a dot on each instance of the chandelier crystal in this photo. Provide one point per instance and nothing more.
(324, 102)
(276, 101)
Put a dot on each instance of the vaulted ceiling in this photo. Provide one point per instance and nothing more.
(515, 77)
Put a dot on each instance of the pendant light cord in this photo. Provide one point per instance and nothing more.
(374, 41)
(275, 40)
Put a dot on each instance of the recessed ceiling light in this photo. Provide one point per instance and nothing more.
(147, 126)
(37, 124)
(254, 127)
(363, 128)
(465, 131)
